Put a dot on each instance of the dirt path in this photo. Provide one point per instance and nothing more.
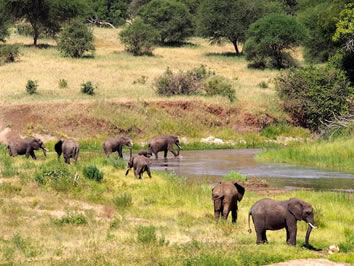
(309, 262)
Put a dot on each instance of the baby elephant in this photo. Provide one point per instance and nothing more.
(269, 214)
(140, 164)
(70, 149)
(147, 154)
(225, 196)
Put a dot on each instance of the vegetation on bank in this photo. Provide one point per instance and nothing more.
(163, 220)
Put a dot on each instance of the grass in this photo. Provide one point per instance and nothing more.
(164, 220)
(336, 154)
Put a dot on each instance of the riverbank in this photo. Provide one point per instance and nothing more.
(164, 220)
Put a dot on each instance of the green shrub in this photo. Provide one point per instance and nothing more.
(93, 173)
(263, 84)
(218, 85)
(63, 83)
(9, 53)
(139, 38)
(235, 176)
(72, 218)
(88, 88)
(76, 39)
(313, 95)
(146, 234)
(123, 201)
(348, 244)
(31, 86)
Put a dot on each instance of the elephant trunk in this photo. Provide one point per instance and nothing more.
(309, 229)
(130, 151)
(178, 148)
(249, 226)
(45, 151)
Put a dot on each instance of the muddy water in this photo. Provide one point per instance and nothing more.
(213, 164)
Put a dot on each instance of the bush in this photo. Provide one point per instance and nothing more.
(63, 83)
(262, 85)
(123, 201)
(76, 39)
(235, 176)
(31, 86)
(313, 95)
(219, 86)
(71, 218)
(139, 38)
(170, 18)
(88, 88)
(9, 53)
(146, 234)
(93, 173)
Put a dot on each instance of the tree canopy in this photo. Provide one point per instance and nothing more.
(109, 12)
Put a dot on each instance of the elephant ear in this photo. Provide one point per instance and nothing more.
(36, 143)
(295, 207)
(58, 148)
(241, 191)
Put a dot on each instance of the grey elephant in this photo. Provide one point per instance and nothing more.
(26, 147)
(147, 154)
(116, 145)
(225, 196)
(164, 143)
(140, 164)
(70, 149)
(269, 214)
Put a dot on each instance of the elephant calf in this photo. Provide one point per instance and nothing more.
(116, 145)
(70, 149)
(164, 143)
(225, 196)
(269, 214)
(140, 164)
(147, 154)
(26, 147)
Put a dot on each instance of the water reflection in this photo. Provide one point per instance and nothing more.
(213, 164)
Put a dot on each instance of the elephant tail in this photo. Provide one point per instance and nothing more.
(249, 217)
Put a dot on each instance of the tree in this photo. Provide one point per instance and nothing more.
(48, 14)
(3, 28)
(345, 28)
(269, 36)
(109, 12)
(76, 39)
(139, 38)
(228, 19)
(171, 19)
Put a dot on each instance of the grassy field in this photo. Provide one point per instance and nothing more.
(165, 220)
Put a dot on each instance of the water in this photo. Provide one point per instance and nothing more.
(213, 164)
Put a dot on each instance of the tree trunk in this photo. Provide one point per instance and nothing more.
(236, 47)
(35, 36)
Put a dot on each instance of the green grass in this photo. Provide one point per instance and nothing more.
(336, 154)
(164, 220)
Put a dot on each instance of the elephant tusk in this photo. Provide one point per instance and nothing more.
(46, 149)
(310, 224)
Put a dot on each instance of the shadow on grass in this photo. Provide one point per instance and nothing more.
(40, 46)
(179, 44)
(227, 54)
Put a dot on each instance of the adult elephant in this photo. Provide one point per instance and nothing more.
(141, 164)
(19, 146)
(225, 196)
(164, 143)
(269, 214)
(116, 145)
(70, 149)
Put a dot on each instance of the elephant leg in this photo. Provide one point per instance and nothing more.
(170, 148)
(136, 173)
(217, 208)
(165, 153)
(156, 155)
(234, 214)
(226, 211)
(33, 155)
(260, 234)
(148, 171)
(67, 159)
(76, 155)
(264, 236)
(120, 152)
(292, 237)
(291, 228)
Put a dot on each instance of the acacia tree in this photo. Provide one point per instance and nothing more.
(3, 27)
(47, 14)
(228, 19)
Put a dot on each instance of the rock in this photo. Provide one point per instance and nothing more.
(212, 140)
(333, 249)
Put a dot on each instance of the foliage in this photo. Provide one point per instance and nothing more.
(235, 176)
(263, 84)
(88, 88)
(275, 130)
(344, 60)
(4, 24)
(170, 18)
(93, 173)
(313, 95)
(123, 201)
(345, 25)
(63, 83)
(75, 39)
(31, 86)
(348, 244)
(44, 14)
(71, 218)
(219, 19)
(9, 53)
(270, 36)
(139, 38)
(114, 12)
(146, 234)
(218, 85)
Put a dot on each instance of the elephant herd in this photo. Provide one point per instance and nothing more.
(267, 214)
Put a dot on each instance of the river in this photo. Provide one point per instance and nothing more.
(213, 164)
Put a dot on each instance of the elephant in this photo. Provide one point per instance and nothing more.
(140, 164)
(70, 149)
(116, 145)
(269, 214)
(164, 143)
(147, 154)
(225, 196)
(27, 146)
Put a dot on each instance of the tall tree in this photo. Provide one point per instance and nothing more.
(47, 14)
(4, 24)
(228, 19)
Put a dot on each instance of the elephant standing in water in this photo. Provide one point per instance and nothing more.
(70, 149)
(225, 196)
(116, 145)
(165, 144)
(141, 164)
(269, 214)
(26, 147)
